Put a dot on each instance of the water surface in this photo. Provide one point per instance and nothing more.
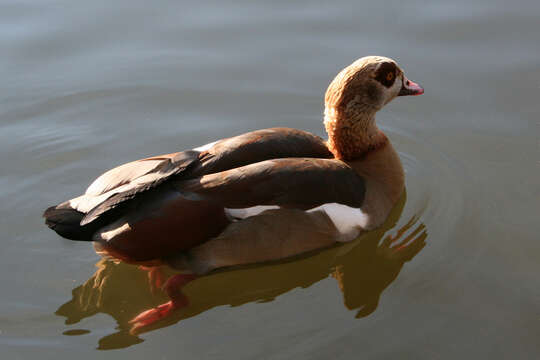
(89, 86)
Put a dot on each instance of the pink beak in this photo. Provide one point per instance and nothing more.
(410, 88)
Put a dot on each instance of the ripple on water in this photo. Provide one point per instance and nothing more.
(435, 188)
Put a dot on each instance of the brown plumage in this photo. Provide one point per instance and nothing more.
(161, 206)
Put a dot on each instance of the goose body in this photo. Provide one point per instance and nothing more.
(249, 198)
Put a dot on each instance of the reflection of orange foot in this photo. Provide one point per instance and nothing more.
(173, 287)
(149, 317)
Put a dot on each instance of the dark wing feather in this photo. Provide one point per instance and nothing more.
(248, 148)
(301, 183)
(260, 145)
(177, 164)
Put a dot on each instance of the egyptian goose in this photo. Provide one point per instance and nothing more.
(249, 198)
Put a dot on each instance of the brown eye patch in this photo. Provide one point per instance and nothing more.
(386, 74)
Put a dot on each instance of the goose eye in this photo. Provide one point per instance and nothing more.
(386, 74)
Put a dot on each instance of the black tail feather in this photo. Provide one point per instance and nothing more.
(66, 221)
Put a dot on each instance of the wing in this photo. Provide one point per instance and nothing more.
(258, 146)
(301, 183)
(127, 182)
(162, 165)
(225, 154)
(133, 178)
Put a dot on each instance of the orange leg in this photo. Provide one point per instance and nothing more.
(155, 277)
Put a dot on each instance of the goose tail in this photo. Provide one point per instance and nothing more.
(66, 221)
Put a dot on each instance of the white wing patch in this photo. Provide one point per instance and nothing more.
(250, 211)
(348, 221)
(109, 232)
(205, 147)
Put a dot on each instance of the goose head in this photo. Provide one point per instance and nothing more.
(353, 98)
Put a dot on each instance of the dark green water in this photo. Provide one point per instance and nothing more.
(85, 87)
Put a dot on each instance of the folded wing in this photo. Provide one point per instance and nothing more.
(110, 194)
(301, 183)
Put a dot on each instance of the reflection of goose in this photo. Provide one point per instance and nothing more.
(155, 207)
(363, 269)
